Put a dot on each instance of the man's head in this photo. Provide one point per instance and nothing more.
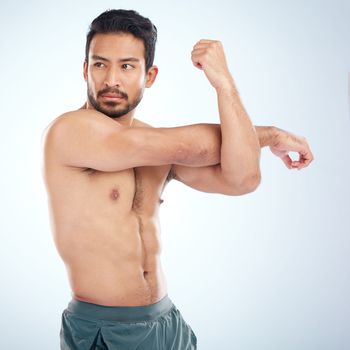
(119, 54)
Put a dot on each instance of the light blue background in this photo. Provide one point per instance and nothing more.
(269, 270)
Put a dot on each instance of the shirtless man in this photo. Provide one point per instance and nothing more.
(105, 172)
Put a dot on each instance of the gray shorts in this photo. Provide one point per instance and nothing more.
(87, 326)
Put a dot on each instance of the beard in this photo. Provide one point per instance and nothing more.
(111, 107)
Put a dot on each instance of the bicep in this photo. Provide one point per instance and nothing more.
(205, 179)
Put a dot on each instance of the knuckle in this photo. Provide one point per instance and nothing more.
(206, 54)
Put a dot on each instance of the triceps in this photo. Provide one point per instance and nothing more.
(211, 144)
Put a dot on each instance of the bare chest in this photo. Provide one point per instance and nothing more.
(107, 194)
(140, 189)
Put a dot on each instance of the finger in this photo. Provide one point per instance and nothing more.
(200, 46)
(305, 158)
(206, 41)
(198, 65)
(196, 59)
(287, 161)
(309, 157)
(198, 51)
(303, 164)
(296, 164)
(204, 44)
(299, 164)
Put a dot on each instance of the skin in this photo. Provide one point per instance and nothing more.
(106, 76)
(105, 219)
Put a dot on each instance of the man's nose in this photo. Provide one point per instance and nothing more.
(112, 77)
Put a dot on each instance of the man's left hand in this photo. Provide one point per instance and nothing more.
(209, 56)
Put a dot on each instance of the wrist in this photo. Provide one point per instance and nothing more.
(226, 86)
(267, 135)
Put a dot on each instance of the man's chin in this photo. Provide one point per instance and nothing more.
(113, 109)
(113, 112)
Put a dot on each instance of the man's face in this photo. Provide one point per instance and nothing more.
(115, 74)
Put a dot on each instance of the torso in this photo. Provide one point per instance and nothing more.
(106, 229)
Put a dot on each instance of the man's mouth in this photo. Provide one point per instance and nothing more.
(112, 97)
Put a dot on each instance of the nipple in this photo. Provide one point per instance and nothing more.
(114, 194)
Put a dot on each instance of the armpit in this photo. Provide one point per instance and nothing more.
(171, 175)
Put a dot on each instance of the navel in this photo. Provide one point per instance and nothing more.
(114, 194)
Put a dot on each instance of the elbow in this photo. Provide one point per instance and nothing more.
(251, 183)
(247, 185)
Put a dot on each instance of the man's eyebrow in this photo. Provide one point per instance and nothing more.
(127, 59)
(99, 58)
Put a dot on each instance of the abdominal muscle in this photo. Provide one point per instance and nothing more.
(115, 267)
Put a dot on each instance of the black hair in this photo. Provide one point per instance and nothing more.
(125, 21)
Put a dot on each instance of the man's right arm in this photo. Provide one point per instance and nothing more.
(89, 139)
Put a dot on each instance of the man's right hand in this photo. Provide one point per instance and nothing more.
(283, 142)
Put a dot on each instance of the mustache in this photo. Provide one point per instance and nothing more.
(112, 91)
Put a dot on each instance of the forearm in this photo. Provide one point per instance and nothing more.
(240, 148)
(201, 143)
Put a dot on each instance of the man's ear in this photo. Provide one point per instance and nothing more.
(151, 76)
(85, 67)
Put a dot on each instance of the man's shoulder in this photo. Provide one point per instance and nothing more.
(139, 123)
(87, 114)
(86, 119)
(83, 117)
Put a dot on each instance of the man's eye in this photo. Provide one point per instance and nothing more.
(125, 66)
(99, 64)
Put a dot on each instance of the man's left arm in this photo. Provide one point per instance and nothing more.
(237, 171)
(280, 142)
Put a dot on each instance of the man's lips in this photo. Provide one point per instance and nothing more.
(112, 96)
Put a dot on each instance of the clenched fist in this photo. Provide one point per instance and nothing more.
(209, 56)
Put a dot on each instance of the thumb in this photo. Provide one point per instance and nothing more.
(287, 161)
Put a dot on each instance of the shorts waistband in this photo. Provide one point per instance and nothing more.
(121, 313)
